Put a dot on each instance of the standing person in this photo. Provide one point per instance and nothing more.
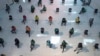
(63, 45)
(13, 29)
(50, 19)
(91, 21)
(71, 32)
(64, 21)
(2, 42)
(20, 8)
(28, 30)
(17, 42)
(32, 44)
(10, 17)
(40, 3)
(7, 8)
(37, 19)
(79, 47)
(24, 19)
(32, 9)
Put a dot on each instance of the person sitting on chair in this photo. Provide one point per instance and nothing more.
(77, 20)
(64, 21)
(32, 9)
(13, 29)
(28, 30)
(43, 9)
(71, 32)
(83, 10)
(79, 47)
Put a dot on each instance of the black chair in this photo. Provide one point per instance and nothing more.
(95, 11)
(86, 32)
(70, 10)
(56, 31)
(42, 30)
(96, 46)
(57, 9)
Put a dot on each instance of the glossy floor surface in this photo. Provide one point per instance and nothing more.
(41, 49)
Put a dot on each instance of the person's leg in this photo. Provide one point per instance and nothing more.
(65, 23)
(17, 44)
(78, 50)
(31, 46)
(75, 49)
(61, 23)
(70, 34)
(63, 49)
(3, 44)
(37, 22)
(29, 33)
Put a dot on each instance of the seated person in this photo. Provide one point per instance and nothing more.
(49, 43)
(37, 19)
(56, 31)
(20, 8)
(10, 17)
(28, 30)
(13, 29)
(64, 21)
(77, 20)
(50, 19)
(32, 9)
(83, 10)
(71, 32)
(79, 47)
(43, 9)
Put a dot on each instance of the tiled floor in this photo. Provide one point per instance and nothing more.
(40, 48)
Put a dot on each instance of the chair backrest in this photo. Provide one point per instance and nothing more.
(80, 45)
